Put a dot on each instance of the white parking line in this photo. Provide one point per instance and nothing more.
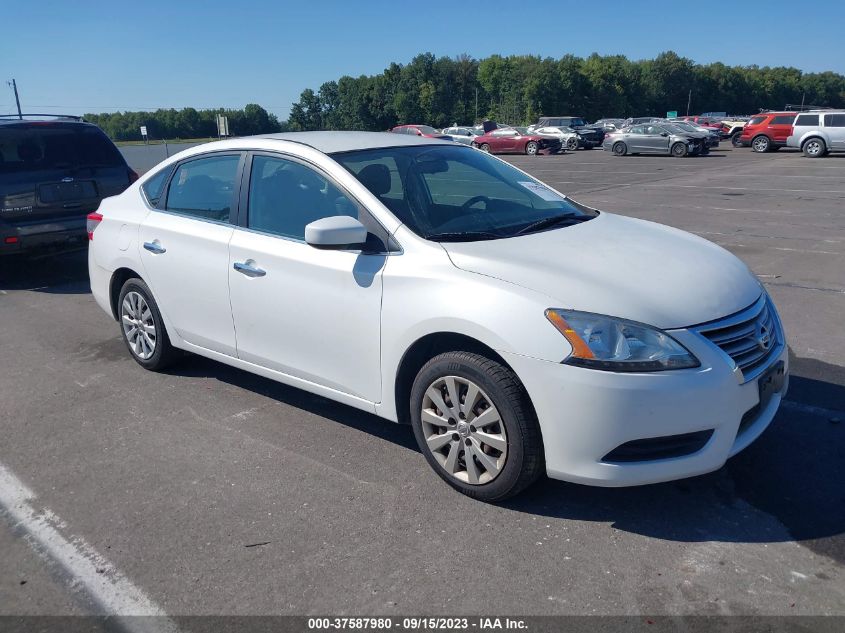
(757, 189)
(112, 591)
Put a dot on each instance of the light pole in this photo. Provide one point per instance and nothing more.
(14, 87)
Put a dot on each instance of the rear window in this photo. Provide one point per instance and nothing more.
(756, 120)
(783, 119)
(834, 120)
(807, 119)
(40, 147)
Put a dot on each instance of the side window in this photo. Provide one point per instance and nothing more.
(284, 196)
(204, 188)
(807, 119)
(637, 129)
(783, 119)
(154, 187)
(834, 120)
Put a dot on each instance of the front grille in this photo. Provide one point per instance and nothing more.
(751, 337)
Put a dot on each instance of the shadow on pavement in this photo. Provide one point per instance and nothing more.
(786, 486)
(60, 272)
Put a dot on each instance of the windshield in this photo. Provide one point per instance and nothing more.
(453, 193)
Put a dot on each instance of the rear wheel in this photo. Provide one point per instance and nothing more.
(814, 148)
(761, 144)
(531, 148)
(485, 147)
(475, 425)
(680, 150)
(620, 149)
(143, 328)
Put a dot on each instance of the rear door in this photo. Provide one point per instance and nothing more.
(779, 128)
(56, 171)
(834, 125)
(185, 249)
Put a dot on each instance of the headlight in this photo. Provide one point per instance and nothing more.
(603, 342)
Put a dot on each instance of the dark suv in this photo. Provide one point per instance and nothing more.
(53, 173)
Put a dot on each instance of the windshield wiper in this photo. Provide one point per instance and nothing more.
(464, 236)
(554, 220)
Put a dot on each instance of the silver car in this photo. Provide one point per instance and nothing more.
(462, 134)
(817, 133)
(654, 138)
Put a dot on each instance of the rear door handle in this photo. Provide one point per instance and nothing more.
(154, 247)
(248, 269)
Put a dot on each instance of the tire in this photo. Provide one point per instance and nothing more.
(485, 148)
(761, 144)
(517, 458)
(572, 143)
(531, 148)
(619, 148)
(704, 150)
(153, 350)
(814, 148)
(680, 150)
(735, 140)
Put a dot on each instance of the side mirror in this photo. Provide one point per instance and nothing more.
(664, 134)
(335, 232)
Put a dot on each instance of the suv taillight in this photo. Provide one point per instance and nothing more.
(92, 222)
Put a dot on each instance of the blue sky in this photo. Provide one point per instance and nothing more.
(86, 56)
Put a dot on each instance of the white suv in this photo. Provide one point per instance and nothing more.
(518, 331)
(817, 133)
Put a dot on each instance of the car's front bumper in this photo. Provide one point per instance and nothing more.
(585, 415)
(25, 236)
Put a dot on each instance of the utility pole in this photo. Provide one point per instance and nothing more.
(14, 87)
(689, 101)
(476, 106)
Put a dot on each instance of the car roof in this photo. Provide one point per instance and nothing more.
(331, 142)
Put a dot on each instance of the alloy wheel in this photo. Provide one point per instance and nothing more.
(139, 328)
(463, 430)
(761, 144)
(813, 148)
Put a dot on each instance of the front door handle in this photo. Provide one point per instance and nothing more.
(248, 269)
(154, 247)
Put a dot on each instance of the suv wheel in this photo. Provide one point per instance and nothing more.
(761, 144)
(814, 148)
(142, 327)
(475, 426)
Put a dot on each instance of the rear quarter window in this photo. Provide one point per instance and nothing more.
(154, 187)
(807, 119)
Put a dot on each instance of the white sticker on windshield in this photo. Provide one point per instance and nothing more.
(544, 192)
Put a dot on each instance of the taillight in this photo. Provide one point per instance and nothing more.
(92, 222)
(133, 176)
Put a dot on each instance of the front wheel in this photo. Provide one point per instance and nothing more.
(735, 140)
(531, 148)
(572, 143)
(680, 150)
(814, 148)
(475, 426)
(143, 328)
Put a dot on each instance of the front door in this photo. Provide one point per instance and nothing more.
(309, 313)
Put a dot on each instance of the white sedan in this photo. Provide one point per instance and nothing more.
(568, 137)
(517, 331)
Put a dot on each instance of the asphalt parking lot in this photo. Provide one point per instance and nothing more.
(214, 491)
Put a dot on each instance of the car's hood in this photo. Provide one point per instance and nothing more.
(621, 267)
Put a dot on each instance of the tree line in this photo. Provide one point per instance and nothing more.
(185, 123)
(516, 89)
